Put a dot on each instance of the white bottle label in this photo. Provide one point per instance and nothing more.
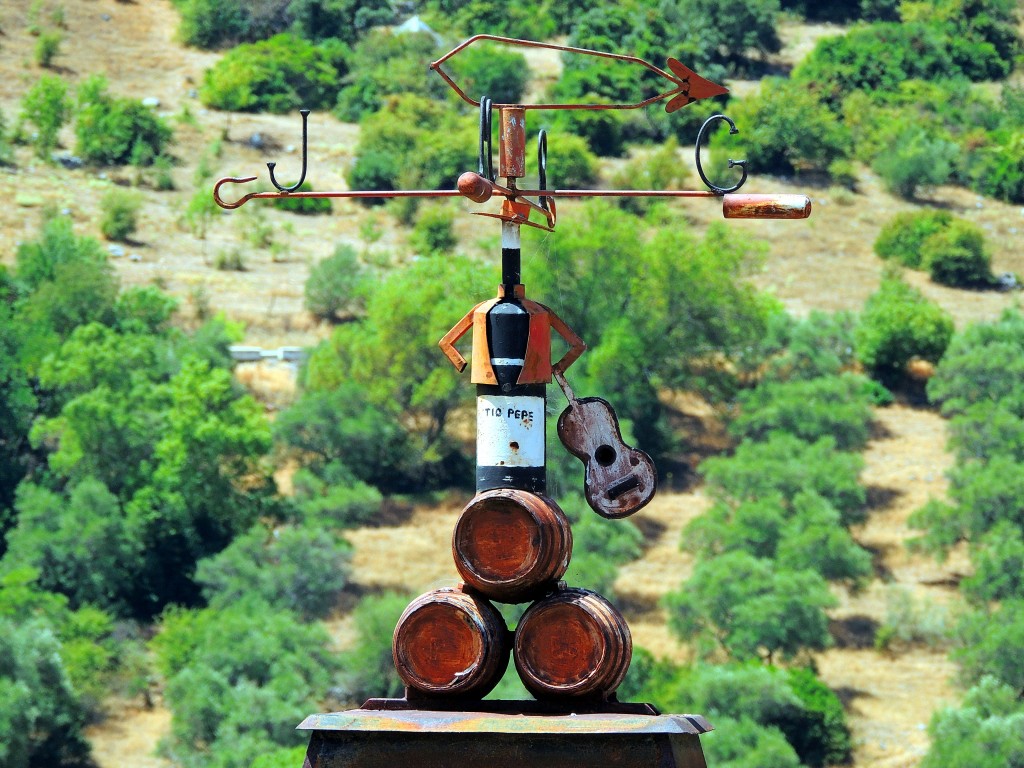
(509, 431)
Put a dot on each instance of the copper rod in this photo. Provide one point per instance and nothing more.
(436, 66)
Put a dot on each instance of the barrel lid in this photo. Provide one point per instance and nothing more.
(431, 721)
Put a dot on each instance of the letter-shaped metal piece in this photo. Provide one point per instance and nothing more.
(741, 164)
(302, 177)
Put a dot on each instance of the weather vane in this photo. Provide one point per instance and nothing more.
(512, 543)
(481, 186)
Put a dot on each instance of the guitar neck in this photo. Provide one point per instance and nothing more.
(564, 385)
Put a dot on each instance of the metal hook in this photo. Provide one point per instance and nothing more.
(240, 201)
(741, 164)
(485, 163)
(302, 178)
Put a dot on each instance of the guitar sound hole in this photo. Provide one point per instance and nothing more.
(605, 455)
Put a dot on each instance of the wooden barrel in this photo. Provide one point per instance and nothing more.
(512, 545)
(572, 644)
(451, 643)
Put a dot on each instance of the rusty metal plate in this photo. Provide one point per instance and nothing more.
(428, 721)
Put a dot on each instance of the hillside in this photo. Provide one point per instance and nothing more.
(826, 263)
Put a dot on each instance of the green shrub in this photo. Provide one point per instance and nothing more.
(297, 569)
(489, 70)
(995, 165)
(747, 745)
(915, 159)
(986, 731)
(823, 738)
(77, 542)
(120, 214)
(347, 20)
(998, 566)
(835, 405)
(991, 642)
(6, 153)
(238, 680)
(434, 231)
(304, 206)
(229, 260)
(785, 465)
(844, 174)
(210, 23)
(805, 533)
(281, 758)
(413, 142)
(277, 75)
(47, 47)
(909, 621)
(68, 282)
(115, 131)
(344, 504)
(46, 106)
(217, 23)
(571, 164)
(751, 609)
(987, 493)
(605, 131)
(879, 57)
(897, 325)
(163, 180)
(984, 493)
(879, 10)
(984, 364)
(957, 256)
(783, 128)
(336, 285)
(368, 670)
(987, 429)
(819, 345)
(902, 237)
(346, 436)
(385, 64)
(199, 213)
(659, 169)
(41, 718)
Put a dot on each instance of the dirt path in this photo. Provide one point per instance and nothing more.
(890, 696)
(642, 584)
(128, 738)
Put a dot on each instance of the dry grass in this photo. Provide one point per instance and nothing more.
(889, 701)
(890, 696)
(642, 584)
(129, 737)
(273, 384)
(413, 557)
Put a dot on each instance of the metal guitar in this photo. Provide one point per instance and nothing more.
(619, 480)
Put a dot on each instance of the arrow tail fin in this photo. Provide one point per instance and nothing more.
(695, 86)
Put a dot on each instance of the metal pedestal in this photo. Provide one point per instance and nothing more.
(424, 738)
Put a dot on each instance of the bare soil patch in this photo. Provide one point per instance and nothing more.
(129, 737)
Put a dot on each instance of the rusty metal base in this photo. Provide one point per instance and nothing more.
(385, 738)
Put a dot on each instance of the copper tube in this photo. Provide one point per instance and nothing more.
(766, 206)
(512, 144)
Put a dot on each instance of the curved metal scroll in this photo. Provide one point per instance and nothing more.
(741, 164)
